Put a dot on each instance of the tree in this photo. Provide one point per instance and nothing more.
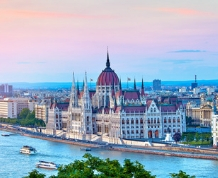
(197, 137)
(23, 114)
(94, 167)
(188, 120)
(177, 137)
(35, 174)
(181, 174)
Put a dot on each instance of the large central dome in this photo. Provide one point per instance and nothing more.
(108, 76)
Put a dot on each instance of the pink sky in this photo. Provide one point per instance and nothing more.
(46, 41)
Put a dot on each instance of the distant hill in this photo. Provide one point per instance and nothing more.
(67, 85)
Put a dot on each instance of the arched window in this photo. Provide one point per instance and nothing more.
(151, 109)
(127, 121)
(132, 131)
(132, 121)
(169, 120)
(165, 120)
(141, 121)
(123, 122)
(154, 120)
(137, 121)
(154, 109)
(148, 121)
(178, 120)
(151, 121)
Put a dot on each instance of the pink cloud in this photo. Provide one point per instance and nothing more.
(41, 14)
(183, 11)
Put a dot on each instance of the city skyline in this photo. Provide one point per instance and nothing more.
(48, 41)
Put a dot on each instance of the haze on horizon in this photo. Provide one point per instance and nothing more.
(46, 41)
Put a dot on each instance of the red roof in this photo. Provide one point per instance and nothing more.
(168, 108)
(132, 109)
(131, 95)
(108, 77)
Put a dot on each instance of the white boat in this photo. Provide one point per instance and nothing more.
(28, 150)
(86, 149)
(46, 165)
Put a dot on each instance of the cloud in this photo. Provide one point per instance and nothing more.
(181, 61)
(44, 14)
(23, 63)
(188, 51)
(183, 11)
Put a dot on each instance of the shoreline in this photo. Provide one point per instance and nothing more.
(163, 151)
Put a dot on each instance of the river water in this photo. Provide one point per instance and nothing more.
(16, 165)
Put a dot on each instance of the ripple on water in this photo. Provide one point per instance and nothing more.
(14, 164)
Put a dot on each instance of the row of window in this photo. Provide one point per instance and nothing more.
(174, 130)
(132, 132)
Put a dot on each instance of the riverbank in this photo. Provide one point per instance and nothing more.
(209, 154)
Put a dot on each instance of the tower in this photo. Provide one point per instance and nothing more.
(86, 120)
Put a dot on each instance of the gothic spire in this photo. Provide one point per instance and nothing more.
(142, 89)
(142, 84)
(134, 84)
(120, 84)
(108, 60)
(78, 88)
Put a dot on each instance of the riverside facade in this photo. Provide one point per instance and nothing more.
(113, 112)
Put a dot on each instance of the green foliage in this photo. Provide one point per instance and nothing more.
(197, 138)
(94, 167)
(177, 137)
(26, 118)
(35, 174)
(181, 174)
(188, 120)
(24, 113)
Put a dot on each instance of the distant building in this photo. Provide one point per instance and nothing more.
(214, 129)
(183, 90)
(6, 90)
(11, 107)
(200, 114)
(156, 84)
(210, 90)
(196, 90)
(194, 84)
(41, 110)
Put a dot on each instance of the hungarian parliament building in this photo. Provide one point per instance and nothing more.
(113, 112)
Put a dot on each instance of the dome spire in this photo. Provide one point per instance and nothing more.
(108, 61)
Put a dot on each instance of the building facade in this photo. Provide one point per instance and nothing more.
(200, 114)
(11, 107)
(116, 113)
(156, 84)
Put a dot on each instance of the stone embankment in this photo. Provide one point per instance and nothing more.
(168, 153)
(164, 151)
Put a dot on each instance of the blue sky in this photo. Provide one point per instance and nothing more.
(48, 41)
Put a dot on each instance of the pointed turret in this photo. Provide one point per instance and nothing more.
(142, 88)
(86, 98)
(134, 84)
(78, 92)
(120, 84)
(73, 94)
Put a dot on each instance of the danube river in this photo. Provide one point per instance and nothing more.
(14, 164)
